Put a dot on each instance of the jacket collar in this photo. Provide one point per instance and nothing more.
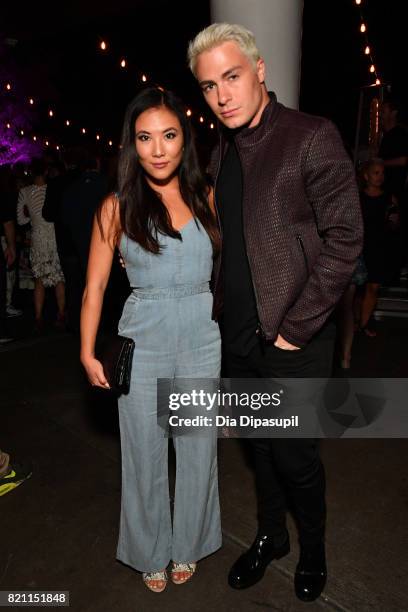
(250, 136)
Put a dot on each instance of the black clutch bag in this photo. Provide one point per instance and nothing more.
(116, 354)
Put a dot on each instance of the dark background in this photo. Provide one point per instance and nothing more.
(50, 52)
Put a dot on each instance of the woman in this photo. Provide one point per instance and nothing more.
(44, 258)
(167, 234)
(378, 210)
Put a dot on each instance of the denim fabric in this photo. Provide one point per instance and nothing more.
(168, 314)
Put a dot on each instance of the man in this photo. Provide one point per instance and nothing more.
(291, 226)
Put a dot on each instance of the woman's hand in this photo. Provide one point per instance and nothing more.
(94, 371)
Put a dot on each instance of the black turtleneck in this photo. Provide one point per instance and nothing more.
(240, 318)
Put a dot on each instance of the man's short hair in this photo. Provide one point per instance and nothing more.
(218, 33)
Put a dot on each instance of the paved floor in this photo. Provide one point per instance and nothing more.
(59, 529)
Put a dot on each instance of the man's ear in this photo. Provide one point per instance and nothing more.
(260, 70)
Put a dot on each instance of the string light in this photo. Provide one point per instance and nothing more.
(51, 113)
(103, 45)
(22, 132)
(123, 63)
(367, 50)
(372, 68)
(83, 130)
(31, 101)
(47, 143)
(34, 138)
(358, 2)
(377, 82)
(57, 147)
(8, 86)
(8, 126)
(363, 28)
(189, 113)
(110, 143)
(67, 123)
(98, 137)
(211, 126)
(201, 119)
(144, 78)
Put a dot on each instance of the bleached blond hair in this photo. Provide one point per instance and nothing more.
(219, 33)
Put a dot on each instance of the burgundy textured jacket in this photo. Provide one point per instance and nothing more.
(302, 221)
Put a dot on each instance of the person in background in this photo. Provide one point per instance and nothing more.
(44, 258)
(378, 208)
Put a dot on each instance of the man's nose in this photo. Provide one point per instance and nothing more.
(223, 95)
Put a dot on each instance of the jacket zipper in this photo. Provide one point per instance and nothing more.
(302, 248)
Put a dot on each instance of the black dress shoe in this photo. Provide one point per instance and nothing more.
(311, 573)
(251, 566)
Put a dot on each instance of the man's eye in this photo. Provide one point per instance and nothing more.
(232, 77)
(208, 88)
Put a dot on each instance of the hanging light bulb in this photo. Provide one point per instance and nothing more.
(98, 137)
(377, 82)
(8, 86)
(189, 113)
(144, 78)
(8, 126)
(367, 50)
(358, 2)
(34, 138)
(57, 147)
(67, 123)
(201, 119)
(83, 130)
(47, 143)
(363, 28)
(31, 101)
(211, 126)
(123, 63)
(103, 45)
(110, 143)
(372, 68)
(51, 113)
(22, 132)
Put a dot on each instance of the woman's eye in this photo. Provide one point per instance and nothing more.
(143, 137)
(170, 135)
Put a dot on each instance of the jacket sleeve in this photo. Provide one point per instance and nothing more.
(331, 189)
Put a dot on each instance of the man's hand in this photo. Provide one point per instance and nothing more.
(281, 343)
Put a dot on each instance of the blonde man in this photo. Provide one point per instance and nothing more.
(290, 219)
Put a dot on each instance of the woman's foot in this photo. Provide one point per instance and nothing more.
(155, 581)
(345, 363)
(181, 572)
(371, 333)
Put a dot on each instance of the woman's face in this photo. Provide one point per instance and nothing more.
(159, 143)
(375, 175)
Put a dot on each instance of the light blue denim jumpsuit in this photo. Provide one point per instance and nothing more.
(168, 314)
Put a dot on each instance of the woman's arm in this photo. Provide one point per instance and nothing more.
(22, 211)
(99, 266)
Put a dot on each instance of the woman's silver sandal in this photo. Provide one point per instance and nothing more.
(150, 577)
(182, 568)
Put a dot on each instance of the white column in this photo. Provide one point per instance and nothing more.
(277, 25)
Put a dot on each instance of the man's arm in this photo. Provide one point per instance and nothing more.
(332, 192)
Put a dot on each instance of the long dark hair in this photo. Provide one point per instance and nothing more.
(143, 216)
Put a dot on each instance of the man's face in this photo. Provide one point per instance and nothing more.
(232, 87)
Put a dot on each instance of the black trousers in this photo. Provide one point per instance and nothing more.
(288, 469)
